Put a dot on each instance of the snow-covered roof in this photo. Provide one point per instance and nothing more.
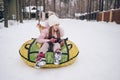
(32, 9)
(78, 14)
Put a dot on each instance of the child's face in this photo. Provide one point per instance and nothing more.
(56, 26)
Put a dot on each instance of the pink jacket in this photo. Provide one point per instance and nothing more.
(45, 33)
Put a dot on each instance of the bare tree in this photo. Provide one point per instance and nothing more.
(54, 5)
(47, 5)
(29, 9)
(36, 2)
(92, 6)
(96, 3)
(101, 5)
(67, 8)
(44, 5)
(17, 10)
(106, 4)
(6, 13)
(117, 4)
(60, 8)
(23, 8)
(20, 11)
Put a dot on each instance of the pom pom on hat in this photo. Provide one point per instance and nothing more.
(52, 20)
(45, 24)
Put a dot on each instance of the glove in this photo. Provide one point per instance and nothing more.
(58, 40)
(52, 40)
(62, 43)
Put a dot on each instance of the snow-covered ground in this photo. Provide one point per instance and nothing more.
(98, 42)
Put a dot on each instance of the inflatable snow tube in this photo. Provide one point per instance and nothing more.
(29, 51)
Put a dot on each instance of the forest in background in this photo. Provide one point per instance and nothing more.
(63, 8)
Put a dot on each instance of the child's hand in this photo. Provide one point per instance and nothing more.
(62, 43)
(52, 40)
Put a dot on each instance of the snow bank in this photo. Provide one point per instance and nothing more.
(99, 57)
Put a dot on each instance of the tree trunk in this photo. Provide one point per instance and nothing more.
(101, 5)
(47, 5)
(43, 5)
(54, 1)
(93, 6)
(68, 8)
(110, 4)
(23, 7)
(29, 9)
(90, 8)
(87, 10)
(36, 2)
(20, 11)
(6, 13)
(79, 6)
(116, 4)
(60, 8)
(17, 10)
(87, 6)
(107, 4)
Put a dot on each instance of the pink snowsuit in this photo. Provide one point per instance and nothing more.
(42, 39)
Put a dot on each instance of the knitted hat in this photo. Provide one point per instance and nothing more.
(52, 20)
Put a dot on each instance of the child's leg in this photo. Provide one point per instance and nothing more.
(42, 51)
(40, 60)
(44, 48)
(57, 53)
(56, 47)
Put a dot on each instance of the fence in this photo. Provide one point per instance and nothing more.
(107, 16)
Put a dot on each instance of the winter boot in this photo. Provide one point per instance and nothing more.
(40, 60)
(58, 56)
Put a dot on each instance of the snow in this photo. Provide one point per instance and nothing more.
(98, 42)
(32, 9)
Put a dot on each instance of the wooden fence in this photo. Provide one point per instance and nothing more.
(107, 16)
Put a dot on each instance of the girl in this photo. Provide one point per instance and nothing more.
(51, 40)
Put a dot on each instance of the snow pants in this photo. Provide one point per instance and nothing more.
(46, 46)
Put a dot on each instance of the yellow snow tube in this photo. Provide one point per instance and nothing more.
(29, 51)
